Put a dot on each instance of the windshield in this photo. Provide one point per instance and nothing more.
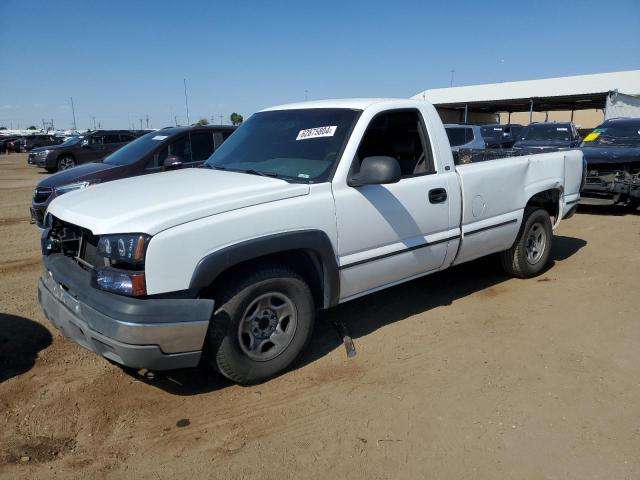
(625, 134)
(135, 150)
(547, 132)
(72, 140)
(294, 144)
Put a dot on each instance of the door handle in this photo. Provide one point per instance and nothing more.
(437, 195)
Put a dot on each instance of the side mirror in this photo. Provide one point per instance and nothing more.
(84, 144)
(172, 161)
(376, 171)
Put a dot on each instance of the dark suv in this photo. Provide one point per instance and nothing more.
(170, 148)
(90, 147)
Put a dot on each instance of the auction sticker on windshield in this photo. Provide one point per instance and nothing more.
(316, 132)
(592, 136)
(160, 137)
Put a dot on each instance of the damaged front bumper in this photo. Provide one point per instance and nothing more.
(618, 186)
(158, 334)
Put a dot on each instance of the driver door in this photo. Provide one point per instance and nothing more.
(389, 233)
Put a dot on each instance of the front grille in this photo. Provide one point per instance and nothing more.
(41, 194)
(77, 243)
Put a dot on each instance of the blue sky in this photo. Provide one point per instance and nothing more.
(123, 60)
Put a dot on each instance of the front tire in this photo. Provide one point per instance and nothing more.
(530, 252)
(262, 325)
(66, 162)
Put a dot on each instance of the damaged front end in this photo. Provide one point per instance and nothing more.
(618, 184)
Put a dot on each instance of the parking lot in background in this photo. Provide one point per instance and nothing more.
(444, 385)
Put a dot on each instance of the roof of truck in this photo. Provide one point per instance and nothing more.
(352, 103)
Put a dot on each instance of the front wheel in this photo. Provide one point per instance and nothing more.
(262, 325)
(66, 163)
(530, 253)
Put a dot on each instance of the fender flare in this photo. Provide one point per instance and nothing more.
(313, 241)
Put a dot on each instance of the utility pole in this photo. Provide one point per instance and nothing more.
(306, 95)
(147, 121)
(94, 122)
(140, 124)
(221, 117)
(175, 119)
(52, 126)
(186, 100)
(73, 111)
(451, 82)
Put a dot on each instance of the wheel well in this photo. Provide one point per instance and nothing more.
(548, 200)
(305, 263)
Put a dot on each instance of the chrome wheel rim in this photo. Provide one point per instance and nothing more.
(66, 163)
(536, 243)
(267, 326)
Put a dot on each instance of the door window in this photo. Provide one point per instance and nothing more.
(112, 139)
(399, 135)
(201, 146)
(96, 140)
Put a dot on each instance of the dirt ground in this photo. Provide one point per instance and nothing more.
(463, 374)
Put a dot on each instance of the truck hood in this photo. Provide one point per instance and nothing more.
(611, 154)
(87, 171)
(152, 203)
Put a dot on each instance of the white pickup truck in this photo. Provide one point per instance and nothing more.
(305, 206)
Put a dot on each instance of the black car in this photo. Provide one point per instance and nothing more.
(539, 137)
(169, 148)
(501, 136)
(17, 144)
(612, 153)
(90, 147)
(4, 142)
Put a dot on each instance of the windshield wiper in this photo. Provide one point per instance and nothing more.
(262, 174)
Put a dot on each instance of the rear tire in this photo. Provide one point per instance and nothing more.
(530, 252)
(263, 323)
(66, 162)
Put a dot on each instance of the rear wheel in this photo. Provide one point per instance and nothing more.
(262, 325)
(529, 254)
(66, 162)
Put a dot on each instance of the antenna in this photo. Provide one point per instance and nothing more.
(186, 100)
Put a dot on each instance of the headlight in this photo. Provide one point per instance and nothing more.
(123, 282)
(71, 187)
(128, 248)
(124, 273)
(43, 153)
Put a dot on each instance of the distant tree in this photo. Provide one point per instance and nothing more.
(4, 128)
(202, 122)
(236, 119)
(32, 127)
